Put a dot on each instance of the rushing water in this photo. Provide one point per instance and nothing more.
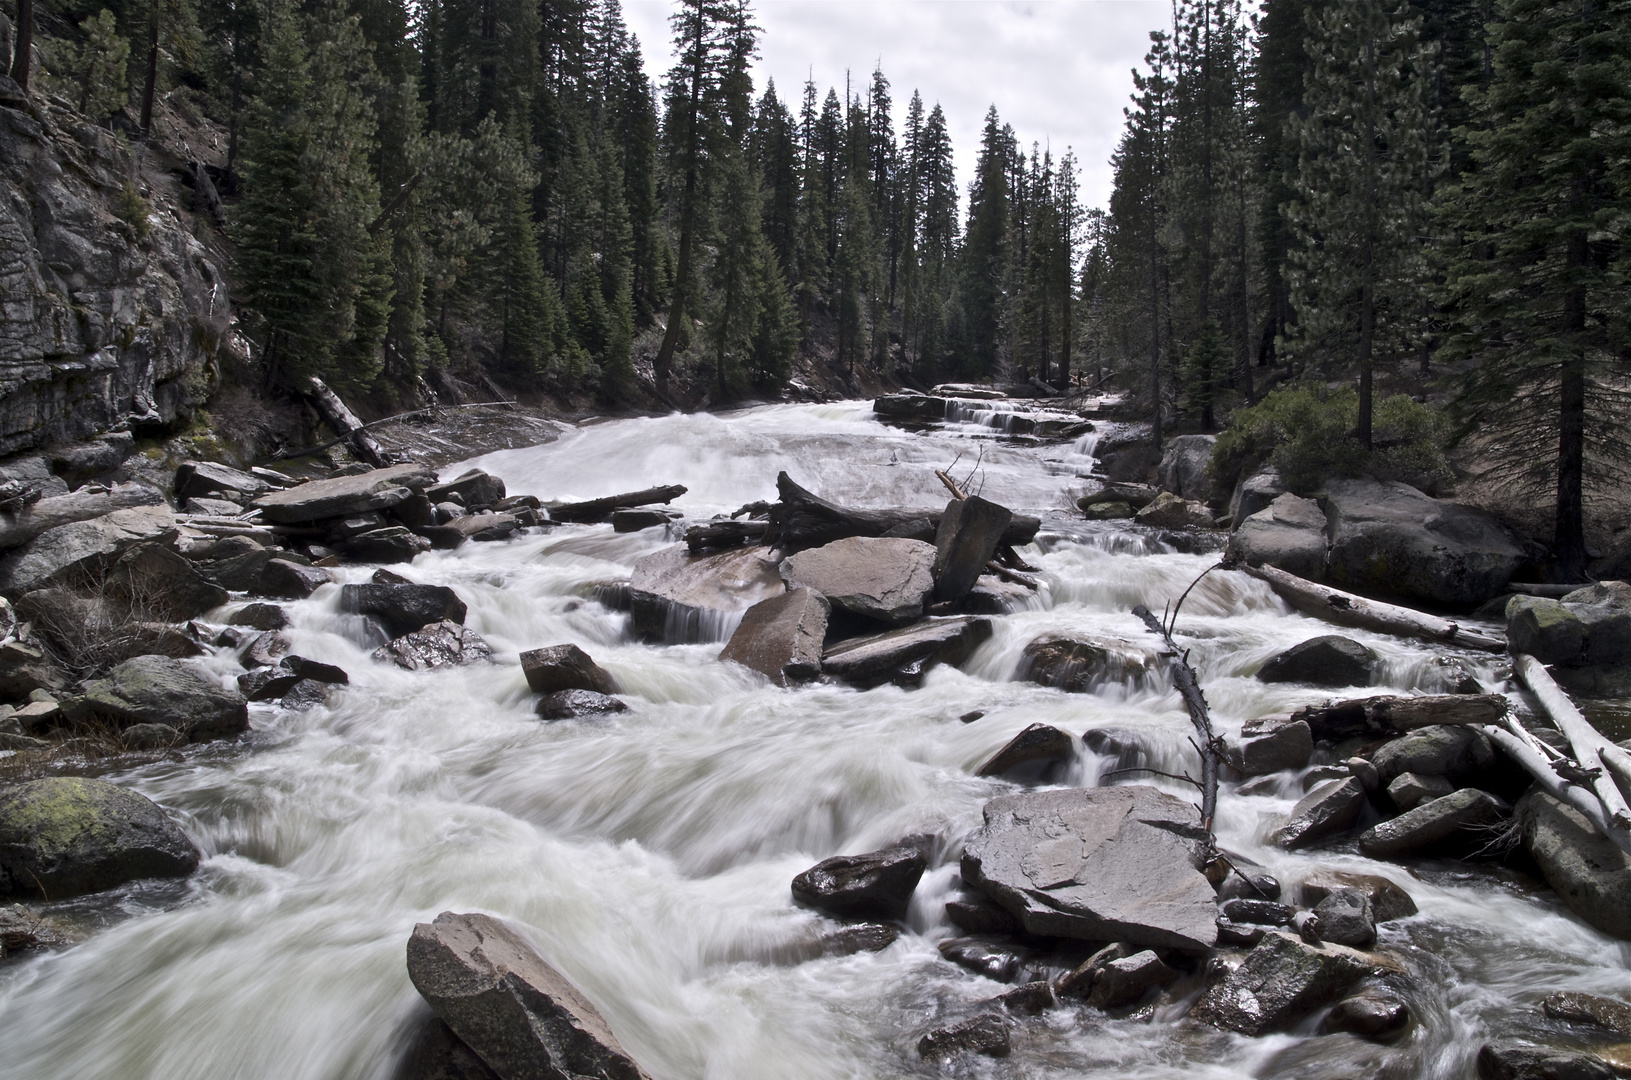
(650, 855)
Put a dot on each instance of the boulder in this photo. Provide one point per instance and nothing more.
(906, 653)
(984, 1034)
(1108, 510)
(392, 544)
(999, 961)
(865, 937)
(1390, 540)
(781, 636)
(402, 609)
(476, 488)
(1135, 496)
(305, 694)
(1345, 918)
(1431, 824)
(1375, 1013)
(288, 580)
(1537, 1063)
(566, 704)
(260, 617)
(161, 690)
(266, 683)
(1409, 790)
(1124, 982)
(21, 930)
(1585, 637)
(970, 531)
(1039, 744)
(1271, 746)
(82, 546)
(1282, 980)
(1183, 467)
(1031, 999)
(485, 527)
(1168, 511)
(974, 914)
(1079, 665)
(564, 667)
(1449, 750)
(884, 578)
(1079, 982)
(154, 578)
(440, 644)
(1387, 901)
(523, 1018)
(197, 479)
(1289, 533)
(1587, 870)
(67, 835)
(237, 570)
(24, 669)
(1328, 660)
(1331, 808)
(629, 521)
(877, 885)
(1577, 1008)
(319, 500)
(1255, 492)
(438, 1054)
(911, 407)
(1126, 748)
(1099, 864)
(676, 597)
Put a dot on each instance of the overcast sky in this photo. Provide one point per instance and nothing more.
(1059, 71)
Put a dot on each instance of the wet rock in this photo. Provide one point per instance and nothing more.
(1290, 533)
(1409, 790)
(265, 648)
(1345, 919)
(438, 1054)
(150, 737)
(266, 683)
(260, 617)
(782, 636)
(1534, 1063)
(1117, 863)
(1366, 773)
(198, 479)
(1107, 510)
(1127, 748)
(864, 937)
(1183, 467)
(1037, 744)
(566, 704)
(305, 694)
(675, 597)
(877, 885)
(986, 1034)
(884, 578)
(475, 488)
(1282, 980)
(501, 998)
(155, 578)
(392, 544)
(67, 836)
(564, 667)
(1328, 660)
(629, 521)
(1124, 982)
(1588, 871)
(970, 531)
(1577, 1008)
(1387, 901)
(1031, 999)
(1455, 675)
(21, 930)
(402, 609)
(877, 658)
(440, 644)
(1271, 746)
(1263, 912)
(319, 500)
(1079, 665)
(288, 580)
(1255, 492)
(1329, 809)
(1168, 511)
(1389, 539)
(1374, 1014)
(161, 690)
(1135, 496)
(1454, 816)
(1454, 751)
(1249, 883)
(999, 961)
(485, 527)
(977, 915)
(58, 554)
(1585, 636)
(1078, 983)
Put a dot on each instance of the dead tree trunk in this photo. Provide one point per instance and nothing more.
(1189, 688)
(345, 424)
(594, 510)
(803, 519)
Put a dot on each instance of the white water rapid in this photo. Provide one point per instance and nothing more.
(649, 855)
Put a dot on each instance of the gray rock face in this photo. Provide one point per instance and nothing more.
(1388, 539)
(1255, 492)
(1328, 660)
(567, 704)
(907, 652)
(402, 609)
(985, 1034)
(1345, 919)
(565, 667)
(1585, 636)
(69, 836)
(1433, 823)
(203, 479)
(524, 1018)
(877, 885)
(155, 578)
(1387, 901)
(1183, 467)
(1270, 746)
(438, 1054)
(884, 578)
(782, 636)
(1449, 750)
(1123, 982)
(1282, 980)
(160, 690)
(676, 597)
(1290, 533)
(440, 644)
(1409, 790)
(1590, 873)
(1099, 864)
(969, 533)
(1536, 1063)
(377, 489)
(1038, 744)
(1332, 807)
(57, 553)
(1081, 664)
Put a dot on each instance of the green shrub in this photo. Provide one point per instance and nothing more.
(130, 208)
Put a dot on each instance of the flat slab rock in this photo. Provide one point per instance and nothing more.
(1097, 864)
(338, 496)
(781, 637)
(56, 553)
(677, 597)
(884, 578)
(524, 1018)
(933, 641)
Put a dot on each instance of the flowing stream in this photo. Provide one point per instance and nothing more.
(649, 855)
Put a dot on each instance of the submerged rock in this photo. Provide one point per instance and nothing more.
(67, 836)
(985, 1034)
(676, 597)
(1375, 1014)
(441, 644)
(1578, 1008)
(877, 885)
(907, 652)
(885, 578)
(1328, 660)
(22, 930)
(1282, 980)
(782, 636)
(1079, 665)
(1387, 901)
(402, 609)
(567, 704)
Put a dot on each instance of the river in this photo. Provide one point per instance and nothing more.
(650, 855)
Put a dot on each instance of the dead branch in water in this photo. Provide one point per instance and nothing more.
(1189, 688)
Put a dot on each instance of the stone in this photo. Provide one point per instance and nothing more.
(319, 500)
(150, 737)
(415, 512)
(1535, 1063)
(195, 479)
(1585, 637)
(866, 937)
(1452, 817)
(402, 609)
(1109, 510)
(287, 580)
(676, 597)
(260, 617)
(1136, 496)
(1289, 533)
(21, 930)
(438, 1054)
(265, 648)
(1327, 660)
(498, 995)
(911, 406)
(1255, 492)
(1117, 863)
(1346, 919)
(630, 521)
(782, 636)
(1183, 468)
(1375, 1014)
(485, 527)
(161, 690)
(877, 885)
(440, 644)
(1587, 870)
(974, 914)
(1079, 665)
(266, 683)
(1039, 744)
(79, 462)
(201, 506)
(1168, 511)
(355, 525)
(566, 704)
(992, 595)
(1282, 980)
(884, 578)
(1577, 1008)
(24, 668)
(1124, 982)
(1387, 901)
(1242, 934)
(38, 715)
(1247, 910)
(154, 578)
(1331, 808)
(1366, 773)
(985, 1034)
(1390, 540)
(1409, 790)
(66, 836)
(1455, 751)
(1031, 999)
(1249, 883)
(392, 544)
(878, 657)
(239, 571)
(1271, 746)
(1078, 983)
(58, 554)
(999, 961)
(305, 694)
(477, 488)
(968, 536)
(564, 667)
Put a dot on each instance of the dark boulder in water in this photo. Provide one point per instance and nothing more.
(877, 885)
(67, 835)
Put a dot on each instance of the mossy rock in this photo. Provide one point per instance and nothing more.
(1545, 629)
(159, 690)
(67, 836)
(1114, 510)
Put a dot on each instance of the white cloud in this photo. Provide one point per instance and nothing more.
(1059, 71)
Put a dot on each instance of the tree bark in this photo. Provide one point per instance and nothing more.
(682, 276)
(345, 423)
(1588, 743)
(23, 50)
(1569, 536)
(1189, 688)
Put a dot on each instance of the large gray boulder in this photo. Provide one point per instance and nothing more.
(1331, 808)
(970, 531)
(782, 636)
(884, 578)
(1097, 864)
(1590, 873)
(441, 644)
(1327, 660)
(1585, 637)
(1388, 539)
(68, 835)
(1255, 492)
(160, 690)
(377, 489)
(402, 609)
(56, 554)
(1459, 753)
(1289, 534)
(1183, 467)
(676, 597)
(203, 479)
(1080, 665)
(522, 1017)
(877, 885)
(1459, 816)
(905, 654)
(1282, 980)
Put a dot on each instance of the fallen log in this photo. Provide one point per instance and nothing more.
(717, 535)
(592, 511)
(345, 424)
(1392, 715)
(1588, 743)
(802, 519)
(1546, 773)
(1189, 688)
(18, 529)
(1346, 609)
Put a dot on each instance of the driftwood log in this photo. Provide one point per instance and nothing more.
(596, 510)
(345, 424)
(717, 535)
(1346, 609)
(1189, 688)
(1588, 743)
(82, 505)
(1392, 715)
(803, 519)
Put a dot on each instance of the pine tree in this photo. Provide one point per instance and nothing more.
(984, 250)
